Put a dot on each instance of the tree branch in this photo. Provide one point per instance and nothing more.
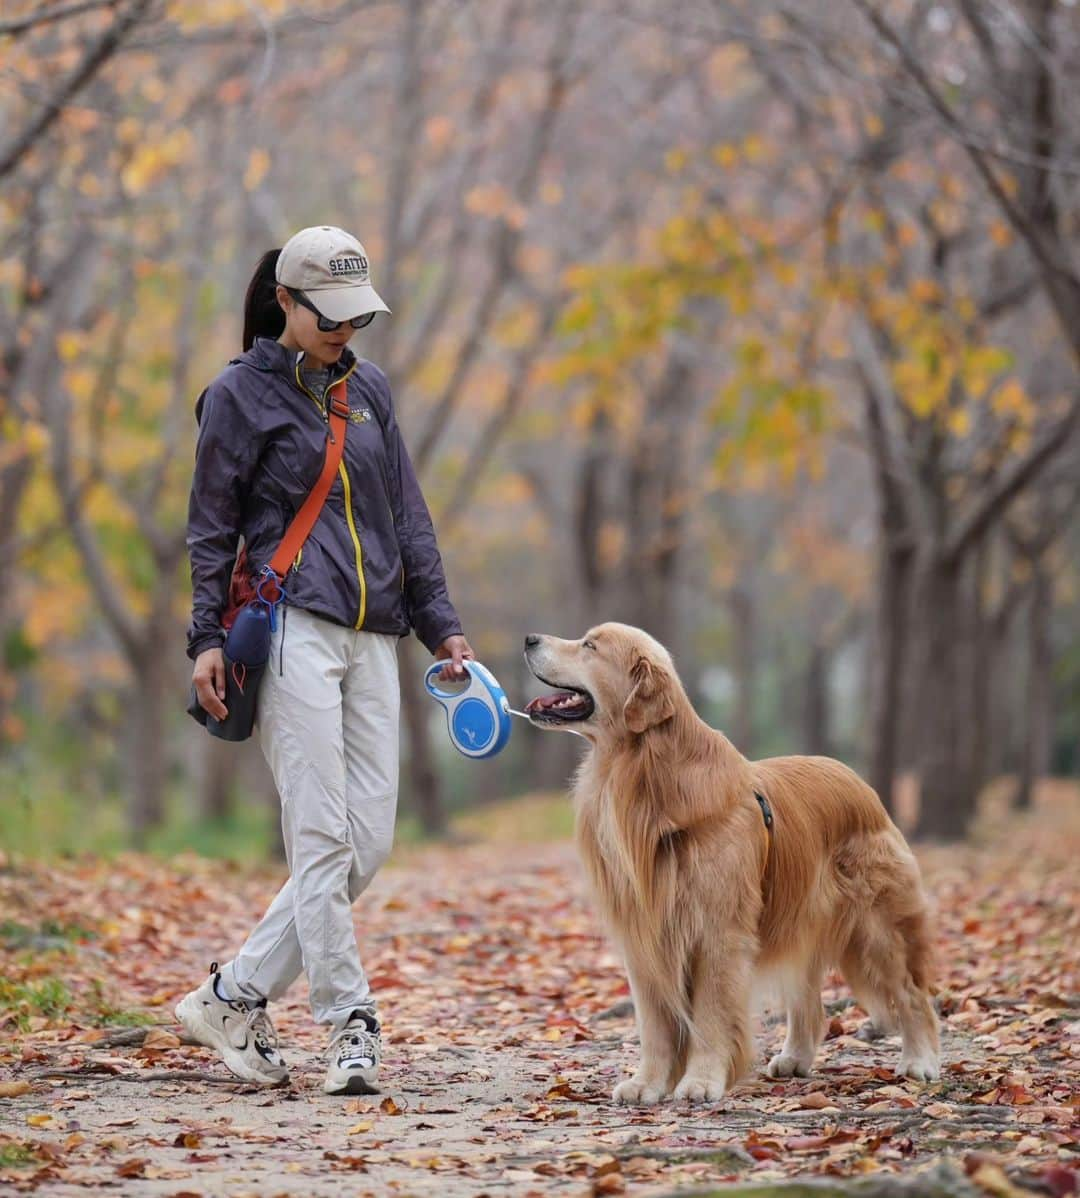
(507, 238)
(94, 59)
(1062, 285)
(484, 446)
(1010, 482)
(59, 12)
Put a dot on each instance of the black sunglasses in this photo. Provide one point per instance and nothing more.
(324, 324)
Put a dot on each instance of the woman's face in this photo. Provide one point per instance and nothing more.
(302, 331)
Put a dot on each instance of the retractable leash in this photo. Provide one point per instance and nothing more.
(477, 717)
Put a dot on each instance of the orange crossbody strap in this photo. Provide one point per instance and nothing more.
(304, 520)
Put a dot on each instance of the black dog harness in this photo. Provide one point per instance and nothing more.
(767, 817)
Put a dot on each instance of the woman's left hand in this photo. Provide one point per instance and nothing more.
(454, 649)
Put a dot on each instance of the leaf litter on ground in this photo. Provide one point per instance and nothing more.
(507, 1027)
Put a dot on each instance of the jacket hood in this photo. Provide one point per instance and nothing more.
(272, 357)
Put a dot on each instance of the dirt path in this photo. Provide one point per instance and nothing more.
(501, 1003)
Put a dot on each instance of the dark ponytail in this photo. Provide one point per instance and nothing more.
(263, 316)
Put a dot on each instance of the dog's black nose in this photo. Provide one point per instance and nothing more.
(532, 640)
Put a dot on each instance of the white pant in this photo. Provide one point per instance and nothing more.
(328, 724)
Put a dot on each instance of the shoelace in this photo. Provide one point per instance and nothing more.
(261, 1028)
(356, 1044)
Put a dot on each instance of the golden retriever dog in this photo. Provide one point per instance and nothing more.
(719, 876)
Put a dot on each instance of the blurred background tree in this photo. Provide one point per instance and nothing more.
(754, 323)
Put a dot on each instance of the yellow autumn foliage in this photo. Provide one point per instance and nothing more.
(257, 165)
(154, 158)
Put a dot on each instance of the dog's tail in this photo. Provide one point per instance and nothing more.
(920, 957)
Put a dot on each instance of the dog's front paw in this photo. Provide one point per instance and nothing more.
(785, 1065)
(635, 1091)
(701, 1089)
(920, 1069)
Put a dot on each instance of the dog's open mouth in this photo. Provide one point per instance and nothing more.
(563, 707)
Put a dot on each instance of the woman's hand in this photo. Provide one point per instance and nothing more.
(454, 649)
(209, 679)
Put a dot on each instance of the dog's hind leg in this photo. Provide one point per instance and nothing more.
(805, 1025)
(881, 1021)
(920, 1059)
(885, 967)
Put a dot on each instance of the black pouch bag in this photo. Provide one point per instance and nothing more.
(246, 651)
(241, 699)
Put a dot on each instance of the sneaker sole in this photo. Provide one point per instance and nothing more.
(354, 1085)
(190, 1017)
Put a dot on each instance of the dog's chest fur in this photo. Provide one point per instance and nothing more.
(617, 860)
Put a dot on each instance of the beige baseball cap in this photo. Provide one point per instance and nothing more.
(331, 268)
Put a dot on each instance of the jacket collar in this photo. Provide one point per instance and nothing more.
(270, 355)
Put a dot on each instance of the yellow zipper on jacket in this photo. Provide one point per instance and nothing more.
(344, 474)
(356, 542)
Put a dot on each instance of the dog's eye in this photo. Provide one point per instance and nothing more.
(589, 644)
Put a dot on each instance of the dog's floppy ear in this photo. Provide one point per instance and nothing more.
(650, 700)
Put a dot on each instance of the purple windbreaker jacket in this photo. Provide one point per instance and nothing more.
(371, 561)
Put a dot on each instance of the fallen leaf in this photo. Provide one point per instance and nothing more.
(613, 1183)
(993, 1180)
(159, 1038)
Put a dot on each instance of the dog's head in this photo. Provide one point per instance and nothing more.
(614, 681)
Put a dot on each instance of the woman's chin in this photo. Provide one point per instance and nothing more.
(326, 354)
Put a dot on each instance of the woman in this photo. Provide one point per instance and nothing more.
(328, 705)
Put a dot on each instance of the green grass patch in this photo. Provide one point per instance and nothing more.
(48, 934)
(105, 1013)
(243, 836)
(17, 1156)
(529, 819)
(67, 796)
(48, 997)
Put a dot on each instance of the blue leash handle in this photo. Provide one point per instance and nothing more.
(477, 715)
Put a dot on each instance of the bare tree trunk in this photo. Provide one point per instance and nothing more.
(656, 503)
(425, 793)
(1035, 762)
(272, 801)
(946, 804)
(744, 663)
(590, 511)
(893, 628)
(147, 745)
(984, 651)
(219, 778)
(14, 478)
(816, 703)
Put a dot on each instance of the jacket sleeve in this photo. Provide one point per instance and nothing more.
(226, 453)
(427, 600)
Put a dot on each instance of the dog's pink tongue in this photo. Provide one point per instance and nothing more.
(542, 701)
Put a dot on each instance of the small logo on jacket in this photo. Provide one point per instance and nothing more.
(359, 415)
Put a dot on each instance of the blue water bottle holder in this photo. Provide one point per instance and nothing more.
(477, 714)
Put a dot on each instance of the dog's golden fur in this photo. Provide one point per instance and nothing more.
(704, 902)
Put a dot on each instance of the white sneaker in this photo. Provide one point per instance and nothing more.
(242, 1034)
(355, 1056)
